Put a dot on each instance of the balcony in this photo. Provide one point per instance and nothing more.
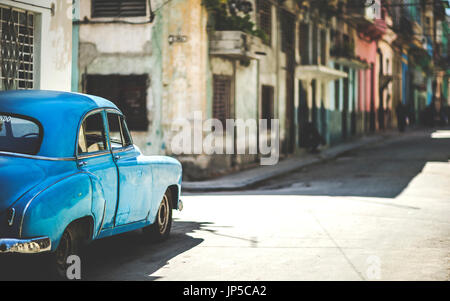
(405, 27)
(236, 45)
(343, 53)
(321, 72)
(367, 19)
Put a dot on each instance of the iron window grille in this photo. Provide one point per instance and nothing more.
(16, 48)
(264, 10)
(119, 8)
(222, 98)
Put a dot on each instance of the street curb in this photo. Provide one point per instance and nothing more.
(254, 176)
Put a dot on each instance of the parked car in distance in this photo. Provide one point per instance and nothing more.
(70, 174)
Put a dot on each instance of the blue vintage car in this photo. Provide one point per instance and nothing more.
(70, 174)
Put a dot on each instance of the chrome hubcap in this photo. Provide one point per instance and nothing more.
(163, 215)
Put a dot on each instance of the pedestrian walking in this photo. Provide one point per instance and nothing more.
(401, 117)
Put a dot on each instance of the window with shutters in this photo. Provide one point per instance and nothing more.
(304, 43)
(315, 44)
(288, 32)
(118, 8)
(16, 48)
(264, 10)
(323, 47)
(222, 98)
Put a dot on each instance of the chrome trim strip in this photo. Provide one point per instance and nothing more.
(122, 149)
(94, 155)
(11, 215)
(37, 157)
(25, 246)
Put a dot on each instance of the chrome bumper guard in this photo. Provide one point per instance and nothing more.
(25, 246)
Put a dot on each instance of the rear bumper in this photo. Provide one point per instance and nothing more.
(25, 246)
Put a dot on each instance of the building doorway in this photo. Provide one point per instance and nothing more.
(303, 113)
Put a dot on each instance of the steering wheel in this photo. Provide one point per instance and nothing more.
(30, 134)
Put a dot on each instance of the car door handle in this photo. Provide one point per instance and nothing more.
(82, 163)
(116, 157)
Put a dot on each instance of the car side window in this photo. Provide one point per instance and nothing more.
(92, 136)
(118, 131)
(125, 132)
(115, 135)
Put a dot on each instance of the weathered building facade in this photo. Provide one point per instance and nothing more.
(116, 60)
(338, 66)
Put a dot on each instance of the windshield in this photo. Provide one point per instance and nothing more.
(19, 135)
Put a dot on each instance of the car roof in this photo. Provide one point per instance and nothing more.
(58, 112)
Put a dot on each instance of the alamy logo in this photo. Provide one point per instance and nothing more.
(236, 136)
(73, 271)
(374, 268)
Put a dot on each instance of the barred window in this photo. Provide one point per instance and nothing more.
(16, 48)
(222, 98)
(119, 8)
(264, 10)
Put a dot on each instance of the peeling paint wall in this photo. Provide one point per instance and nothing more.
(184, 63)
(113, 46)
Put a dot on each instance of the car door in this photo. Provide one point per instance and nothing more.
(135, 176)
(94, 156)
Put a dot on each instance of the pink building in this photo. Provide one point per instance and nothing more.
(370, 31)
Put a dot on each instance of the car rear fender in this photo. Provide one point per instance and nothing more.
(53, 209)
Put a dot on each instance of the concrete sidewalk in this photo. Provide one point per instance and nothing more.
(247, 178)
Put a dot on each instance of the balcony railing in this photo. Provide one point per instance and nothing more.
(344, 51)
(368, 19)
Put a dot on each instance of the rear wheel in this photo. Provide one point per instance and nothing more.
(68, 246)
(160, 229)
(72, 242)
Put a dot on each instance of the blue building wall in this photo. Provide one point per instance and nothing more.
(405, 81)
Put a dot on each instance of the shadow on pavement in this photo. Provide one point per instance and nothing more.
(383, 170)
(128, 255)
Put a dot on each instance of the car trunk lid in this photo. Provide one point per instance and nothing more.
(17, 176)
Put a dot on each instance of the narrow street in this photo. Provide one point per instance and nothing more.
(378, 213)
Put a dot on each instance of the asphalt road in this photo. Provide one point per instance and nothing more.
(379, 213)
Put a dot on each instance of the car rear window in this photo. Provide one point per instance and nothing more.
(19, 134)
